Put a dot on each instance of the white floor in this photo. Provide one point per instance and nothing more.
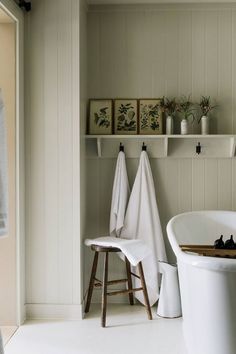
(127, 331)
(7, 332)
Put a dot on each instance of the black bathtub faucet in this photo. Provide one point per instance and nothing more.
(219, 243)
(230, 244)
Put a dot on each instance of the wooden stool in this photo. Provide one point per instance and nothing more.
(104, 283)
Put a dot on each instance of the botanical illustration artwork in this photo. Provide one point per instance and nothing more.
(100, 118)
(150, 117)
(125, 116)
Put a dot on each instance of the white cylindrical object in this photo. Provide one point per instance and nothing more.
(207, 284)
(169, 125)
(205, 126)
(169, 304)
(184, 126)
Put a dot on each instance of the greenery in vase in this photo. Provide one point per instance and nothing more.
(169, 106)
(205, 106)
(186, 108)
(150, 116)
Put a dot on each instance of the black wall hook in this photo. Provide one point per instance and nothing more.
(144, 147)
(198, 149)
(122, 148)
(24, 5)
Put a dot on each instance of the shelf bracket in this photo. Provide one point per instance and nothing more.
(166, 146)
(99, 147)
(232, 147)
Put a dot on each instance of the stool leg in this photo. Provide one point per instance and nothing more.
(130, 287)
(145, 293)
(104, 290)
(91, 283)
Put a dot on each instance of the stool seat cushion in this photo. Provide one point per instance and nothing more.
(134, 250)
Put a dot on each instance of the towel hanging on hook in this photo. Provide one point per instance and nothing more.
(144, 147)
(122, 148)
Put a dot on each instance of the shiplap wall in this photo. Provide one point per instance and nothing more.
(53, 116)
(150, 51)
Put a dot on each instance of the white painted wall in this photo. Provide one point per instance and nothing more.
(8, 244)
(150, 51)
(53, 119)
(17, 17)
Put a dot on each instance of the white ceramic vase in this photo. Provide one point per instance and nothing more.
(205, 125)
(169, 125)
(184, 126)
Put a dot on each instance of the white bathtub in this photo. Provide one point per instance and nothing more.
(207, 284)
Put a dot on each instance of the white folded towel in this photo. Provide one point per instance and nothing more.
(3, 172)
(120, 195)
(142, 220)
(135, 250)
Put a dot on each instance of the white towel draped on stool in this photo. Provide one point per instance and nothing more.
(142, 220)
(134, 250)
(3, 172)
(120, 195)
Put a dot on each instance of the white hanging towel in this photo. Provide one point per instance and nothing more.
(3, 172)
(142, 220)
(120, 195)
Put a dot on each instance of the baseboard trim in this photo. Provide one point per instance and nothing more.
(53, 312)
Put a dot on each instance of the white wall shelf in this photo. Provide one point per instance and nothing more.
(160, 146)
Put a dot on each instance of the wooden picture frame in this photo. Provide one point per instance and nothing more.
(100, 119)
(126, 116)
(150, 117)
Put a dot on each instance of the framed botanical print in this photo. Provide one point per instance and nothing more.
(150, 116)
(100, 117)
(126, 114)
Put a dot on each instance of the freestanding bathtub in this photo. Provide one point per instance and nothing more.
(207, 284)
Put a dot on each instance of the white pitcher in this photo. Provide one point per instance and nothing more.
(169, 304)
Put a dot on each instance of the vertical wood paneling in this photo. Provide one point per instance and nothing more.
(171, 182)
(172, 50)
(212, 63)
(134, 55)
(53, 151)
(225, 71)
(79, 115)
(65, 211)
(118, 49)
(185, 185)
(224, 184)
(94, 82)
(157, 40)
(198, 190)
(35, 238)
(184, 53)
(211, 183)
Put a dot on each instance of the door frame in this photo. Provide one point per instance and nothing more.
(13, 10)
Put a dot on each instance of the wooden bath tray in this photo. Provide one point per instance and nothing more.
(209, 251)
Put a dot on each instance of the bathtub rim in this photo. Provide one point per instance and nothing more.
(210, 263)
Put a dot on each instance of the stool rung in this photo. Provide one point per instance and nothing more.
(110, 282)
(124, 291)
(135, 275)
